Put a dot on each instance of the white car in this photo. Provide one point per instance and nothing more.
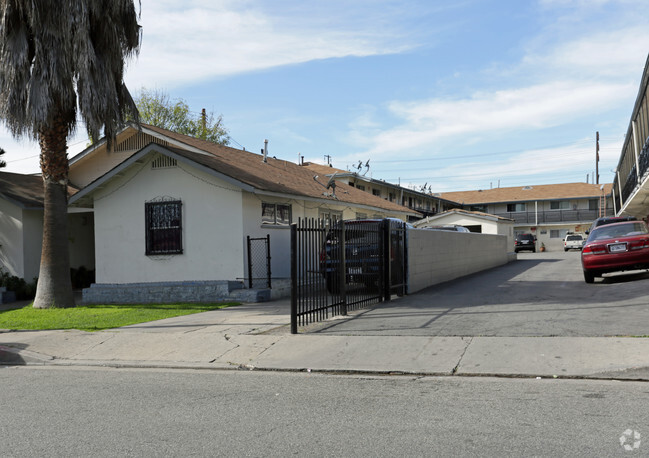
(573, 241)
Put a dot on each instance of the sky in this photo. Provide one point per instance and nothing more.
(450, 96)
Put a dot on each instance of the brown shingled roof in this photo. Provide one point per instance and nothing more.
(528, 193)
(275, 175)
(323, 170)
(26, 191)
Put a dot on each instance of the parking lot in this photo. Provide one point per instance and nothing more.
(540, 294)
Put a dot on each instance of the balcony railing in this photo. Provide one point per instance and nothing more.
(556, 216)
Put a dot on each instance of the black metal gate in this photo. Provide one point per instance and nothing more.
(337, 266)
(259, 262)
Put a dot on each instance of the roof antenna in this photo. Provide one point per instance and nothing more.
(330, 184)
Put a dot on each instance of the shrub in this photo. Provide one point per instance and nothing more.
(18, 285)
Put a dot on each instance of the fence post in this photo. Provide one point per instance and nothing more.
(294, 291)
(343, 269)
(249, 263)
(387, 277)
(268, 260)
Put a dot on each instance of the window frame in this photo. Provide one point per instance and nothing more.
(171, 244)
(516, 206)
(560, 204)
(277, 210)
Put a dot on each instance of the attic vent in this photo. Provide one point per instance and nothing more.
(163, 162)
(527, 188)
(138, 141)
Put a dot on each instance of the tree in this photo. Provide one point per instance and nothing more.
(2, 163)
(156, 108)
(57, 60)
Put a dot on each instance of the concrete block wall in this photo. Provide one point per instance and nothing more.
(183, 291)
(167, 292)
(438, 256)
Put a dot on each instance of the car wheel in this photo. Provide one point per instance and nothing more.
(533, 250)
(589, 277)
(565, 249)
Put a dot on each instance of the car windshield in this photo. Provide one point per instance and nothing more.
(574, 237)
(618, 230)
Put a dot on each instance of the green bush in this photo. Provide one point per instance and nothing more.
(81, 278)
(18, 285)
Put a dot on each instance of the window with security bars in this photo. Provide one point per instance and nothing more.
(163, 227)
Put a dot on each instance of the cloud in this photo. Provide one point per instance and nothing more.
(196, 40)
(568, 73)
(598, 55)
(535, 107)
(559, 164)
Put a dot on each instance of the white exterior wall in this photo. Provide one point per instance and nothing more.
(21, 240)
(33, 242)
(212, 227)
(280, 236)
(11, 239)
(88, 169)
(438, 256)
(495, 227)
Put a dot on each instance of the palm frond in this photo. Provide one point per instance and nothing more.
(61, 58)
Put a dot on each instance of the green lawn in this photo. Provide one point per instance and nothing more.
(98, 317)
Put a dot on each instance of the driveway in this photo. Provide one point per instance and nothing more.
(540, 294)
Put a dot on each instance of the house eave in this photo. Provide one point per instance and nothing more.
(79, 198)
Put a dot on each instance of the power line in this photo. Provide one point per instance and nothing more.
(500, 153)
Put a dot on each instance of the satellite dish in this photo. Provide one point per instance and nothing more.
(332, 182)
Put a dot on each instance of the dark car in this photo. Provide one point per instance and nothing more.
(525, 242)
(615, 247)
(610, 220)
(362, 253)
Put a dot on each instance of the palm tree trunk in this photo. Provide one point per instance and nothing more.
(54, 285)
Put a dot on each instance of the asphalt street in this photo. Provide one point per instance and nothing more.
(541, 294)
(115, 412)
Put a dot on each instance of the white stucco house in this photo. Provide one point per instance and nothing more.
(21, 228)
(172, 214)
(478, 222)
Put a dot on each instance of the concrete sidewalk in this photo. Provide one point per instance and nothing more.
(256, 336)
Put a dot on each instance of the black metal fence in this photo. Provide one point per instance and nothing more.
(345, 265)
(259, 262)
(555, 216)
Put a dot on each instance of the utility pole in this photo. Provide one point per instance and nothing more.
(204, 123)
(597, 157)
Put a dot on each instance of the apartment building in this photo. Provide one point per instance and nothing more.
(631, 182)
(426, 203)
(547, 211)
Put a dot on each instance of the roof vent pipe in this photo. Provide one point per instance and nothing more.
(265, 150)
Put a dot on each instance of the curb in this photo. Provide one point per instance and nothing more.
(13, 356)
